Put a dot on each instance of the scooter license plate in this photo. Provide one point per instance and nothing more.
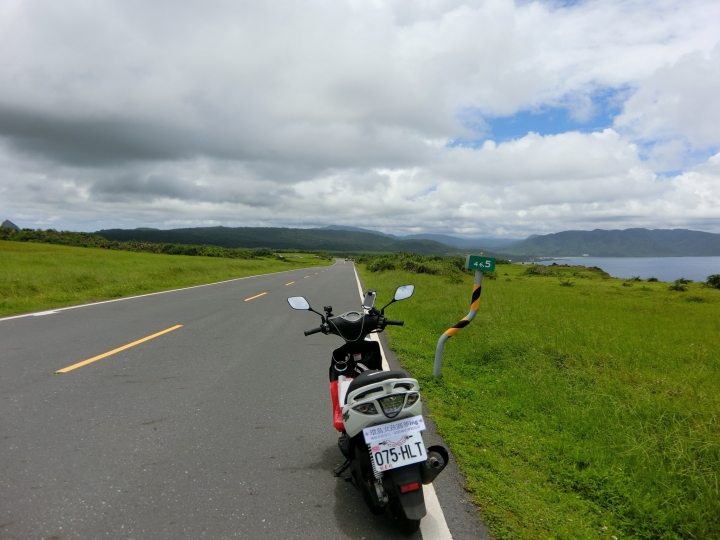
(396, 444)
(398, 451)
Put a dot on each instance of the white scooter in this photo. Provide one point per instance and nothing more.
(379, 415)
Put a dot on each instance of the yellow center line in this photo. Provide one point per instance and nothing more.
(256, 296)
(114, 351)
(289, 283)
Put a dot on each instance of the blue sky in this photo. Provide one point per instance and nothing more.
(547, 120)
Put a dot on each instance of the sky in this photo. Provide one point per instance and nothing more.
(475, 118)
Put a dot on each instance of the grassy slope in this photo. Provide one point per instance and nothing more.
(588, 411)
(44, 276)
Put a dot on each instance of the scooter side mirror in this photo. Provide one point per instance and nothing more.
(403, 292)
(299, 302)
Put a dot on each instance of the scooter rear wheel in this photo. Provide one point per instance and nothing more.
(405, 525)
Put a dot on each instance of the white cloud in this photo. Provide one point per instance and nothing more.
(301, 113)
(677, 106)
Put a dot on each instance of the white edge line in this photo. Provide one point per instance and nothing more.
(39, 313)
(433, 526)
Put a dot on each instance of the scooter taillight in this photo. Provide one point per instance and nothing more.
(410, 487)
(392, 405)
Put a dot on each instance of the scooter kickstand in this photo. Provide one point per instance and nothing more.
(337, 471)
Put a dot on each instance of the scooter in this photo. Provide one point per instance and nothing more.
(378, 413)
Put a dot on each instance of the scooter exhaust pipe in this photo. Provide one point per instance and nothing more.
(437, 460)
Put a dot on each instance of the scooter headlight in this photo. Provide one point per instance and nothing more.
(392, 405)
(412, 399)
(366, 408)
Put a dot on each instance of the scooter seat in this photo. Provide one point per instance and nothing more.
(372, 376)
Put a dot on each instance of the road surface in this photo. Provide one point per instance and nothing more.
(218, 428)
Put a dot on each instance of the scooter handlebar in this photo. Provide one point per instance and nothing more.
(313, 331)
(390, 322)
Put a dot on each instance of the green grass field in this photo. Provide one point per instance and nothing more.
(44, 276)
(589, 410)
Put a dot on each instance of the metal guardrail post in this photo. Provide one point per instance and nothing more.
(472, 262)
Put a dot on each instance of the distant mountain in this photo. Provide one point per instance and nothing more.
(9, 225)
(350, 241)
(355, 229)
(346, 239)
(620, 243)
(464, 243)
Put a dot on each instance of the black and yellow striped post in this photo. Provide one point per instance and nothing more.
(480, 265)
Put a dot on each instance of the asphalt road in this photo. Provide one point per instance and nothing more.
(220, 428)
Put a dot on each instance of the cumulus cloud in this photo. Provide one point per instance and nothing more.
(676, 109)
(309, 113)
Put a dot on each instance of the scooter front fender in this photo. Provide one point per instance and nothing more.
(412, 502)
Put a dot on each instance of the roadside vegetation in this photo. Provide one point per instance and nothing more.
(37, 276)
(81, 239)
(576, 404)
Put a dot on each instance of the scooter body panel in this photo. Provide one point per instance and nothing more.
(412, 502)
(354, 421)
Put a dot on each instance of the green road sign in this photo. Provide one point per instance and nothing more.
(483, 264)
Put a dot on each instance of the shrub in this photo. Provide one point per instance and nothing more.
(418, 264)
(263, 252)
(540, 270)
(677, 287)
(653, 279)
(565, 282)
(683, 281)
(713, 281)
(381, 264)
(627, 284)
(635, 278)
(454, 279)
(491, 275)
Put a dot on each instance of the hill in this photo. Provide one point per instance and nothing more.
(355, 229)
(620, 243)
(7, 224)
(344, 241)
(471, 244)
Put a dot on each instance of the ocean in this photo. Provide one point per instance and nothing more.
(664, 268)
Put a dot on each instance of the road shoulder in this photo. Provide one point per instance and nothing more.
(460, 513)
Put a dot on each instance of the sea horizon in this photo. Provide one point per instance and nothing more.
(663, 268)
